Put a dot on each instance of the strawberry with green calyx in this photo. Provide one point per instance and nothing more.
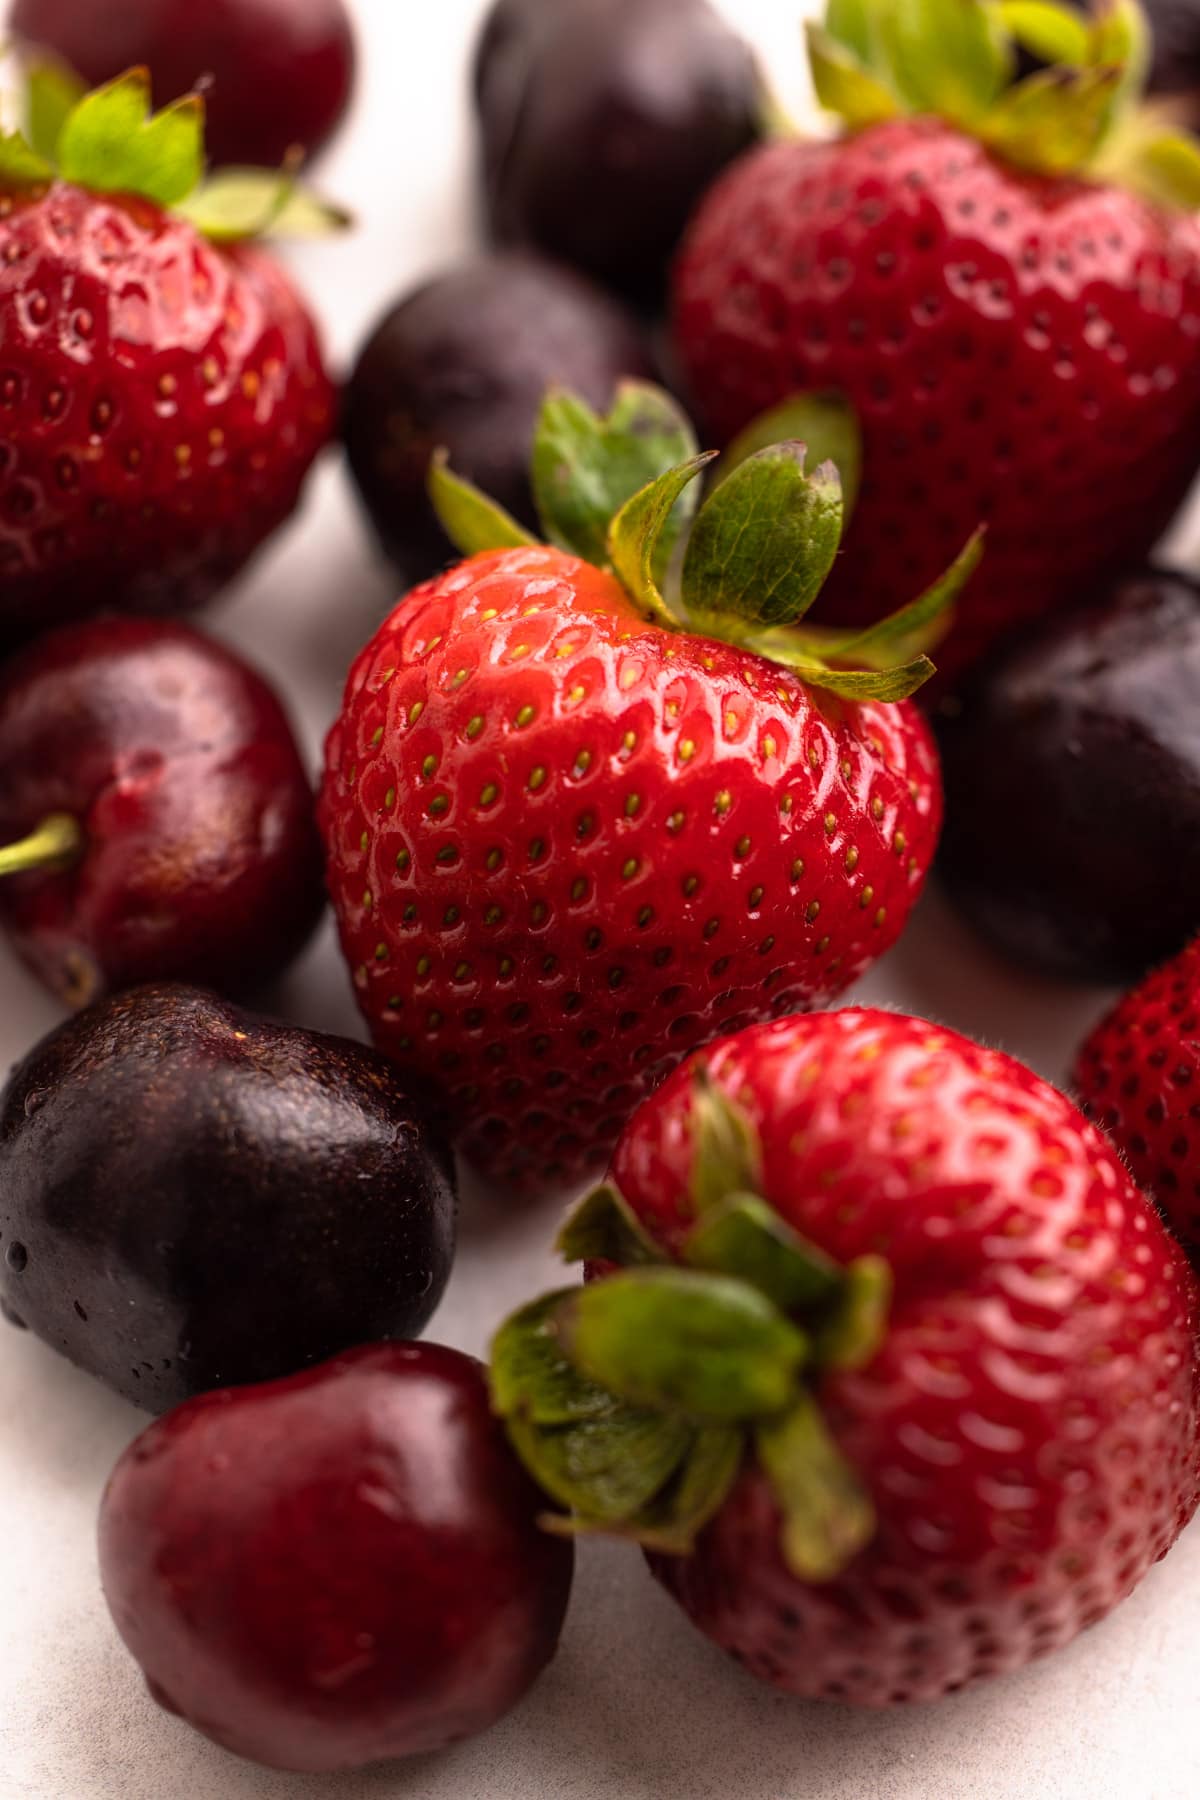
(582, 814)
(879, 1345)
(1002, 276)
(162, 392)
(634, 1400)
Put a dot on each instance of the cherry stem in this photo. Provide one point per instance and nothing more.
(57, 841)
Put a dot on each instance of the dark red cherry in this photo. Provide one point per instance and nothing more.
(1072, 773)
(278, 73)
(156, 820)
(603, 122)
(335, 1569)
(463, 364)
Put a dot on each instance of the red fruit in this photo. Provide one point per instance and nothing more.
(1000, 1460)
(1139, 1077)
(275, 75)
(1020, 348)
(337, 1568)
(161, 401)
(567, 845)
(155, 806)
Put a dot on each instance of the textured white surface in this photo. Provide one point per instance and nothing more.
(636, 1707)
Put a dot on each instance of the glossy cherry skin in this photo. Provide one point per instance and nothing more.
(603, 122)
(281, 71)
(200, 858)
(192, 1195)
(463, 364)
(336, 1569)
(1072, 775)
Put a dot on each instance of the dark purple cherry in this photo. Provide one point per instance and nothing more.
(463, 364)
(1072, 773)
(192, 1196)
(603, 122)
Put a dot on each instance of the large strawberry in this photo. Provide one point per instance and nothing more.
(161, 395)
(1003, 279)
(574, 831)
(862, 1501)
(1139, 1077)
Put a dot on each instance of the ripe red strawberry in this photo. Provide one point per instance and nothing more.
(161, 396)
(1139, 1076)
(861, 1506)
(1020, 338)
(570, 839)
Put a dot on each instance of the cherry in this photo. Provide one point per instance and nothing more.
(191, 1195)
(281, 71)
(338, 1568)
(157, 819)
(1072, 773)
(603, 122)
(464, 363)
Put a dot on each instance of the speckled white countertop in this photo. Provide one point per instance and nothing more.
(636, 1706)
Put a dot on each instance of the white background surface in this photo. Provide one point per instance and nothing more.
(637, 1706)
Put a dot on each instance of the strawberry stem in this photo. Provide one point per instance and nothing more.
(57, 841)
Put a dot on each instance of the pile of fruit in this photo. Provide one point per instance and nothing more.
(886, 1353)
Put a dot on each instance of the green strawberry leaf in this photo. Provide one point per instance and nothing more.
(726, 1150)
(606, 1469)
(851, 24)
(1121, 37)
(851, 1335)
(746, 1238)
(113, 144)
(682, 1342)
(604, 1228)
(1164, 167)
(887, 685)
(765, 540)
(636, 533)
(531, 1377)
(828, 1518)
(947, 57)
(695, 1492)
(53, 93)
(235, 204)
(826, 423)
(20, 164)
(1055, 121)
(844, 86)
(471, 521)
(585, 468)
(1050, 31)
(920, 626)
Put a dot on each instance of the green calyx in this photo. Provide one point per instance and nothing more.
(746, 565)
(636, 1400)
(111, 141)
(1082, 113)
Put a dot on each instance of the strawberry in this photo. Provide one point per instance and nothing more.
(1139, 1077)
(569, 837)
(866, 1499)
(161, 396)
(1006, 286)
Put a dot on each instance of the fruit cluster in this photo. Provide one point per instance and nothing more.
(886, 1352)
